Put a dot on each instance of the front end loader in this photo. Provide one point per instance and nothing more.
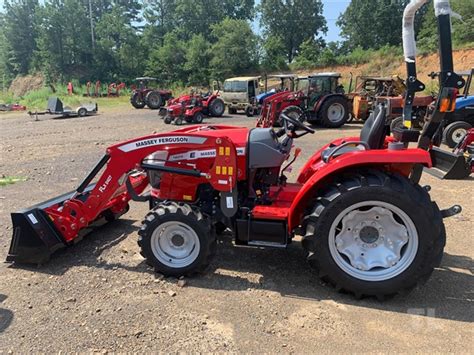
(367, 226)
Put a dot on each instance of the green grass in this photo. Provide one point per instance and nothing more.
(8, 180)
(37, 100)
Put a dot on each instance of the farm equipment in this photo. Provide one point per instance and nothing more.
(368, 227)
(55, 107)
(455, 165)
(461, 119)
(285, 83)
(319, 99)
(240, 92)
(12, 107)
(367, 89)
(143, 95)
(193, 108)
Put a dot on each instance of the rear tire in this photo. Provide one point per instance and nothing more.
(154, 100)
(396, 241)
(334, 112)
(177, 239)
(454, 132)
(137, 100)
(217, 107)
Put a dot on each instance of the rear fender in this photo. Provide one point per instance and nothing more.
(320, 174)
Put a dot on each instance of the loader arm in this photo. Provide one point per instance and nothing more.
(42, 229)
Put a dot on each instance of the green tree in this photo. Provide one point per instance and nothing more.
(197, 17)
(294, 21)
(235, 49)
(197, 60)
(375, 23)
(167, 62)
(160, 20)
(462, 30)
(19, 27)
(274, 54)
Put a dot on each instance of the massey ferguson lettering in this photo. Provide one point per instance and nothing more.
(164, 140)
(161, 141)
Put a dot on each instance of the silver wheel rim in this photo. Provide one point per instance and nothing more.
(336, 112)
(373, 241)
(175, 244)
(458, 134)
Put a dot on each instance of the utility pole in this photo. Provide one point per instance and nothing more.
(92, 25)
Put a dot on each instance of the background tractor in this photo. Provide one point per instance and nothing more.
(319, 98)
(193, 108)
(143, 95)
(367, 89)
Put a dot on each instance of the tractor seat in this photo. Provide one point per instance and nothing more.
(372, 136)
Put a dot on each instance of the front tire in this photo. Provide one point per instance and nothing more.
(454, 132)
(374, 234)
(176, 239)
(334, 112)
(232, 111)
(137, 100)
(198, 117)
(294, 112)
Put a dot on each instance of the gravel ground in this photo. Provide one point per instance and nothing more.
(100, 296)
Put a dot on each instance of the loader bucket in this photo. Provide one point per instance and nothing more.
(35, 236)
(447, 165)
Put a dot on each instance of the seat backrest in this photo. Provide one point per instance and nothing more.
(373, 131)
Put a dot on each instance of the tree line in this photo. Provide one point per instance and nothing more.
(191, 42)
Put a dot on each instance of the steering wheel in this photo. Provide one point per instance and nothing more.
(296, 125)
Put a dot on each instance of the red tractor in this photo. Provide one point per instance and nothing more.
(367, 226)
(319, 98)
(143, 95)
(192, 108)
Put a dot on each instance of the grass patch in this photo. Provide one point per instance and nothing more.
(8, 180)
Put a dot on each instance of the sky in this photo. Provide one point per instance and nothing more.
(331, 11)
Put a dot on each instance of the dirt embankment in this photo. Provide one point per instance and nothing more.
(463, 60)
(23, 84)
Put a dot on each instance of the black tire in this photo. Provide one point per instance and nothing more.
(454, 132)
(137, 100)
(217, 107)
(396, 122)
(178, 121)
(198, 117)
(232, 111)
(394, 190)
(330, 106)
(294, 112)
(249, 111)
(193, 220)
(82, 112)
(154, 100)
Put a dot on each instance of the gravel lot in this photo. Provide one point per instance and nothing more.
(100, 296)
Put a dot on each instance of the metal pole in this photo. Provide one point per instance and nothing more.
(92, 25)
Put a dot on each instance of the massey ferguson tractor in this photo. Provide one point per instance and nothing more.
(143, 95)
(193, 108)
(367, 225)
(319, 99)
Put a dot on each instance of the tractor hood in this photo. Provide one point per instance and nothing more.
(465, 102)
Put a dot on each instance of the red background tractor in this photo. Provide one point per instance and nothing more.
(319, 99)
(145, 96)
(193, 108)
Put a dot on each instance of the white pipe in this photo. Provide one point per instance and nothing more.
(408, 29)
